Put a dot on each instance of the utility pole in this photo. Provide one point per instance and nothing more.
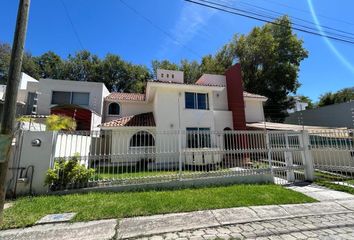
(9, 110)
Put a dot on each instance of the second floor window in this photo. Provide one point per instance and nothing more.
(114, 109)
(78, 98)
(197, 100)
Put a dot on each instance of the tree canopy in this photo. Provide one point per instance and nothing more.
(114, 72)
(329, 98)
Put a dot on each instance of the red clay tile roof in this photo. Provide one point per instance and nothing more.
(114, 96)
(139, 120)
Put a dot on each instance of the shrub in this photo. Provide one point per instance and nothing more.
(68, 173)
(25, 119)
(60, 122)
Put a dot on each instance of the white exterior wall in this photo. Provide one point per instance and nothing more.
(2, 91)
(127, 109)
(46, 86)
(96, 120)
(220, 102)
(170, 76)
(39, 157)
(174, 116)
(27, 84)
(254, 110)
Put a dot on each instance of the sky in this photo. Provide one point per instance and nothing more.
(143, 30)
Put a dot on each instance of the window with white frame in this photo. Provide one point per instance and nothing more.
(78, 98)
(196, 100)
(198, 138)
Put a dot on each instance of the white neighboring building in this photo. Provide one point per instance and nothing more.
(299, 106)
(84, 101)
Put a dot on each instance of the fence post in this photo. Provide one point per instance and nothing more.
(289, 163)
(269, 153)
(308, 160)
(180, 154)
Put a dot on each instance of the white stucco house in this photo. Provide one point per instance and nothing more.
(189, 113)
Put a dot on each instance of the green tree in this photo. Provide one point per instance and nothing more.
(329, 98)
(122, 76)
(50, 65)
(28, 66)
(191, 69)
(83, 66)
(270, 57)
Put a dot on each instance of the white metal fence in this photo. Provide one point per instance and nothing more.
(144, 156)
(333, 155)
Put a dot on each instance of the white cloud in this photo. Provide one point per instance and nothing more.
(190, 23)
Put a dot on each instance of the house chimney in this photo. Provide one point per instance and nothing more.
(234, 87)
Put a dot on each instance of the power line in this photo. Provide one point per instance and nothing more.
(272, 19)
(166, 33)
(225, 8)
(306, 11)
(297, 18)
(72, 24)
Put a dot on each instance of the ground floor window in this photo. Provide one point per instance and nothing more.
(198, 138)
(142, 139)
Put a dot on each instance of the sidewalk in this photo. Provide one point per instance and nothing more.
(297, 221)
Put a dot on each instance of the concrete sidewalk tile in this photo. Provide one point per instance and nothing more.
(349, 204)
(235, 215)
(94, 230)
(326, 207)
(9, 234)
(329, 195)
(158, 224)
(272, 211)
(297, 209)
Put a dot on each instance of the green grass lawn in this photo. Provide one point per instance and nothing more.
(326, 179)
(336, 187)
(26, 211)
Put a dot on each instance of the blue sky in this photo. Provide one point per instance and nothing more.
(180, 30)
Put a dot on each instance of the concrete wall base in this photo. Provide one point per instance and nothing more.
(190, 183)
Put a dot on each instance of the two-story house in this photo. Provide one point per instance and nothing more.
(215, 103)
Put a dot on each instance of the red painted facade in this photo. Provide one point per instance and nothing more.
(234, 86)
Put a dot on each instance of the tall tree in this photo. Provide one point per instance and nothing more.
(270, 57)
(28, 64)
(50, 65)
(122, 76)
(83, 66)
(192, 70)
